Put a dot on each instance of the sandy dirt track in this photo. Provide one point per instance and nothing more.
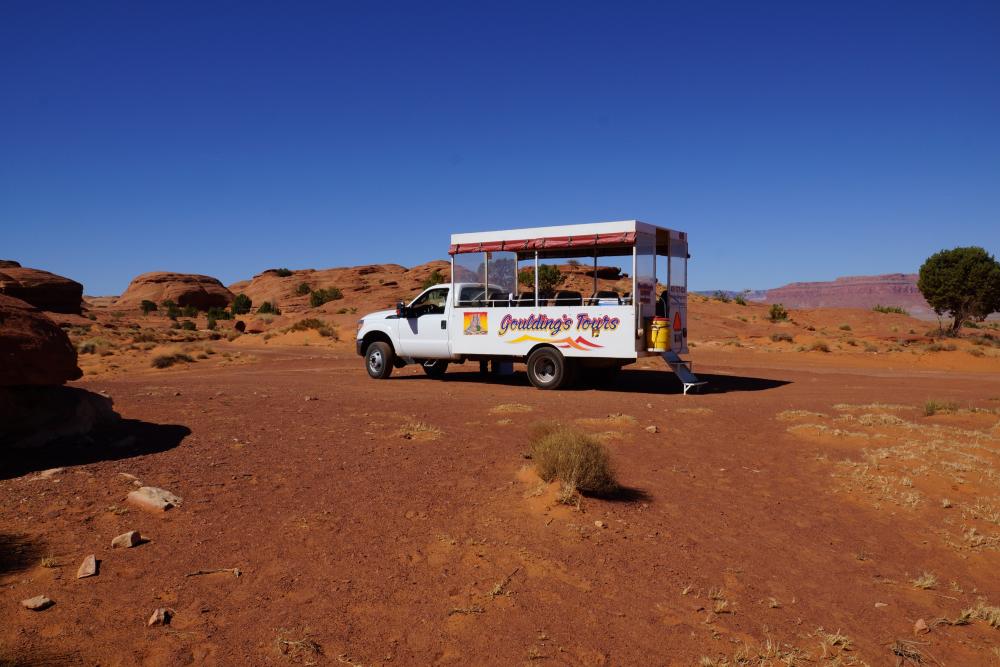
(364, 539)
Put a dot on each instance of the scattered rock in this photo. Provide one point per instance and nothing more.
(311, 398)
(652, 428)
(48, 474)
(127, 540)
(130, 477)
(88, 568)
(600, 524)
(161, 616)
(37, 603)
(879, 605)
(153, 499)
(920, 627)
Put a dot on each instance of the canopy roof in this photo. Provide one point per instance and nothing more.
(593, 235)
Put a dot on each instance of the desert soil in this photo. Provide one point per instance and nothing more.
(805, 507)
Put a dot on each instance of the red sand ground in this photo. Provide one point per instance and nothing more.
(785, 512)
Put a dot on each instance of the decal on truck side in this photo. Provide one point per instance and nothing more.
(476, 324)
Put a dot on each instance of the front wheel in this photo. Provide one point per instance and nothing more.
(378, 360)
(547, 368)
(436, 368)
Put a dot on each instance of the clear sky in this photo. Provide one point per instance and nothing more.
(792, 140)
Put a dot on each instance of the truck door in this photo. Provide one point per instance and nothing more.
(424, 335)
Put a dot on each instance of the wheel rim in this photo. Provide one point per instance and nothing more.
(375, 361)
(545, 371)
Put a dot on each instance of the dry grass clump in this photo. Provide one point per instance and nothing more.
(819, 346)
(168, 360)
(509, 408)
(941, 347)
(417, 430)
(932, 407)
(792, 415)
(781, 337)
(299, 651)
(576, 459)
(925, 581)
(614, 419)
(319, 326)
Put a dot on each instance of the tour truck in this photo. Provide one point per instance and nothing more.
(567, 301)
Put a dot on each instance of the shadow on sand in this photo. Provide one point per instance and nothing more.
(629, 380)
(128, 438)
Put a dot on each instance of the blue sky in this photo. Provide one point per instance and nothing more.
(792, 140)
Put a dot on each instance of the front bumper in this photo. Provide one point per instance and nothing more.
(359, 344)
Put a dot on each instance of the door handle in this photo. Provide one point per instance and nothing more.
(444, 324)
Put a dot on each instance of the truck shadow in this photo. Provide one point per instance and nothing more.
(127, 438)
(636, 380)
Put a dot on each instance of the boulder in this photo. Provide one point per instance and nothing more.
(33, 350)
(153, 499)
(37, 603)
(127, 540)
(184, 289)
(88, 568)
(42, 289)
(9, 264)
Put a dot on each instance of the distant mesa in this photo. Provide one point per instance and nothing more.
(184, 289)
(893, 289)
(41, 289)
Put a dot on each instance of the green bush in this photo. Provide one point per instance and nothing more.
(879, 308)
(932, 407)
(819, 346)
(211, 324)
(549, 277)
(168, 360)
(189, 311)
(173, 312)
(741, 298)
(168, 303)
(216, 313)
(283, 273)
(269, 308)
(188, 325)
(781, 337)
(845, 327)
(241, 304)
(721, 296)
(320, 296)
(777, 313)
(436, 278)
(147, 306)
(574, 458)
(963, 283)
(303, 289)
(322, 328)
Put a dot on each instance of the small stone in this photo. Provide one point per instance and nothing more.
(652, 428)
(311, 398)
(920, 627)
(127, 540)
(879, 605)
(177, 393)
(600, 524)
(37, 603)
(160, 617)
(88, 568)
(153, 499)
(128, 476)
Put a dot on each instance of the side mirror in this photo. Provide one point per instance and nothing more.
(401, 309)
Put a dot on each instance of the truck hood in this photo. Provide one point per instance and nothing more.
(380, 315)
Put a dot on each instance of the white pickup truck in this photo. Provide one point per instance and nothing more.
(482, 316)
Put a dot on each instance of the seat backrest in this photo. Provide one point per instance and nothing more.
(567, 298)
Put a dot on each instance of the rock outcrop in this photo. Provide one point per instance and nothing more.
(41, 289)
(894, 289)
(9, 264)
(184, 289)
(33, 350)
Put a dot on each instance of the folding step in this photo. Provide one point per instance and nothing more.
(683, 371)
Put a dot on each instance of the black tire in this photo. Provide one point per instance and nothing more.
(378, 360)
(436, 368)
(547, 368)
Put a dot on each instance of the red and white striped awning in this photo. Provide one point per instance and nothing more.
(549, 242)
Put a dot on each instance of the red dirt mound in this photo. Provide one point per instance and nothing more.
(33, 350)
(41, 289)
(185, 289)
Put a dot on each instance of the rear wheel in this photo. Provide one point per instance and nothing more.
(435, 368)
(547, 368)
(379, 359)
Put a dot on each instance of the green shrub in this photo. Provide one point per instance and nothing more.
(721, 296)
(549, 277)
(189, 311)
(268, 308)
(878, 308)
(320, 296)
(741, 298)
(216, 313)
(173, 312)
(436, 278)
(322, 328)
(941, 347)
(168, 303)
(845, 327)
(211, 324)
(168, 360)
(145, 336)
(147, 306)
(303, 289)
(574, 458)
(781, 337)
(188, 325)
(241, 304)
(819, 346)
(283, 273)
(777, 313)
